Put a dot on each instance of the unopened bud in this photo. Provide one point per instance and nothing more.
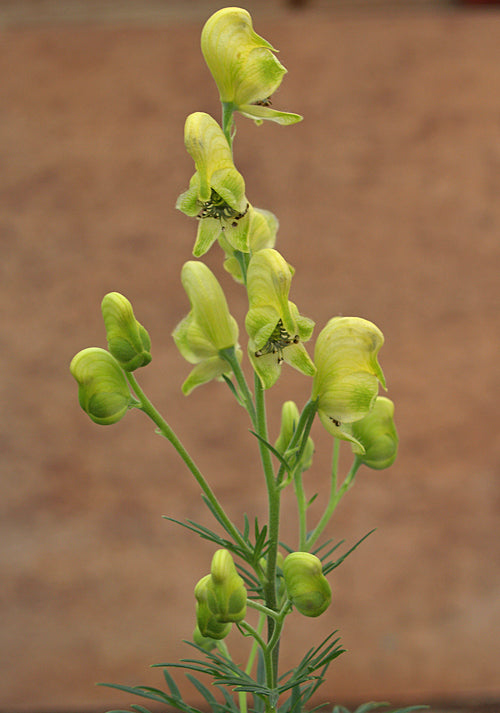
(378, 436)
(208, 623)
(103, 391)
(306, 585)
(128, 341)
(347, 373)
(289, 421)
(226, 593)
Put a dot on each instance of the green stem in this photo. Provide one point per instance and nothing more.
(251, 631)
(242, 696)
(272, 644)
(307, 418)
(267, 655)
(147, 407)
(263, 609)
(274, 501)
(229, 355)
(255, 646)
(302, 508)
(336, 495)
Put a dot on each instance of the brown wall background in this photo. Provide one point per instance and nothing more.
(387, 196)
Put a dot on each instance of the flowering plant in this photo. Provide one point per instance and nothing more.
(255, 581)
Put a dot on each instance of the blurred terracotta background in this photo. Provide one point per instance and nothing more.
(388, 200)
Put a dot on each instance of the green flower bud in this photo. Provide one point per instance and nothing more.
(226, 593)
(262, 229)
(307, 587)
(348, 373)
(128, 341)
(243, 65)
(216, 193)
(377, 434)
(289, 420)
(103, 390)
(273, 323)
(207, 622)
(207, 329)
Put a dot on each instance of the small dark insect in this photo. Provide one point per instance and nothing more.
(263, 102)
(217, 208)
(337, 423)
(278, 340)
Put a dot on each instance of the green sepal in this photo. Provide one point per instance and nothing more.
(348, 373)
(275, 328)
(243, 64)
(207, 329)
(259, 113)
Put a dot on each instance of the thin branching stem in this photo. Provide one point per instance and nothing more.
(147, 407)
(336, 494)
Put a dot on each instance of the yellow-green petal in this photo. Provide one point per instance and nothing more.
(242, 63)
(207, 145)
(261, 228)
(209, 305)
(207, 329)
(269, 278)
(348, 373)
(207, 370)
(259, 113)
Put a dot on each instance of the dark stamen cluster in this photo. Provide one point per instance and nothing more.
(278, 340)
(217, 208)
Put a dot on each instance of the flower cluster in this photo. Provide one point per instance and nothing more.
(343, 372)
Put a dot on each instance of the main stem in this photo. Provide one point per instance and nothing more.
(274, 501)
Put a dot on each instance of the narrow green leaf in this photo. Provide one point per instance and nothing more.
(216, 514)
(273, 450)
(246, 529)
(327, 554)
(172, 686)
(207, 695)
(233, 389)
(370, 706)
(203, 532)
(136, 691)
(333, 565)
(318, 549)
(312, 499)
